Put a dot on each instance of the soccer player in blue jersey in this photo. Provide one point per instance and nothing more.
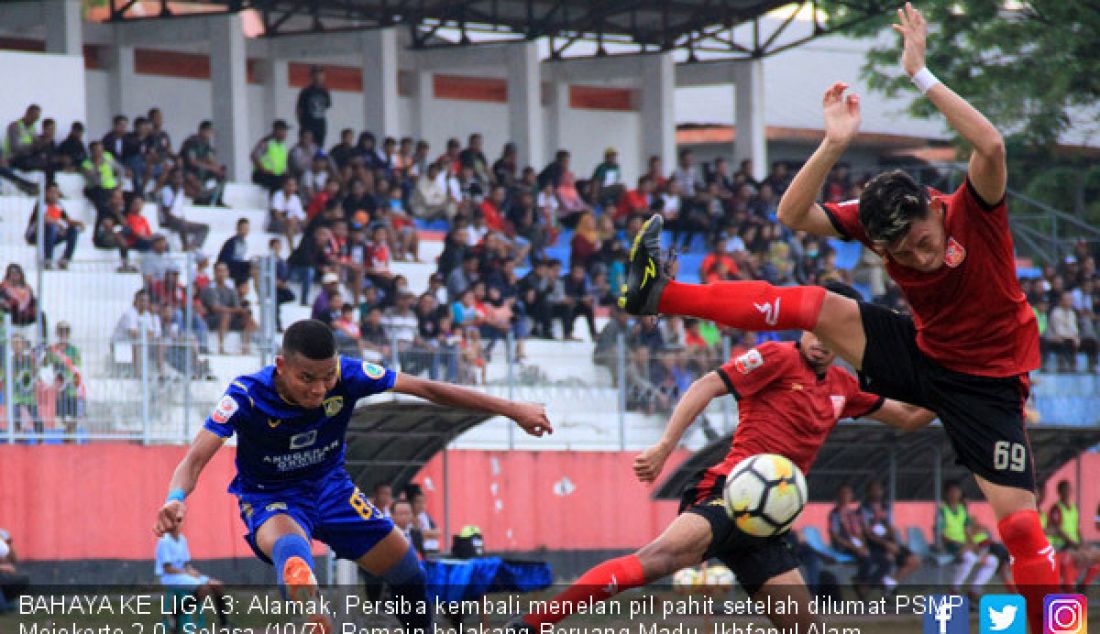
(290, 420)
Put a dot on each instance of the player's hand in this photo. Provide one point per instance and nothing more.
(842, 115)
(532, 418)
(169, 517)
(649, 463)
(914, 32)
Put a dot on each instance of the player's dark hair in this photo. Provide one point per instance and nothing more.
(840, 288)
(309, 338)
(889, 204)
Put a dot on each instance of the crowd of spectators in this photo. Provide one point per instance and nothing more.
(1066, 299)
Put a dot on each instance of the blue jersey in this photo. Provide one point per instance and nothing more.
(280, 444)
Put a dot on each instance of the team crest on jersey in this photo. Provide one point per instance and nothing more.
(224, 410)
(749, 361)
(333, 405)
(838, 404)
(275, 506)
(274, 422)
(955, 255)
(373, 371)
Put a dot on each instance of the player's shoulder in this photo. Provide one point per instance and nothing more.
(351, 367)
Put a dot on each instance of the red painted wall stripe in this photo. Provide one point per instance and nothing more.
(467, 88)
(91, 52)
(597, 98)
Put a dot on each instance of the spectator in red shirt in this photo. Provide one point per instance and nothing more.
(138, 234)
(718, 265)
(59, 227)
(492, 208)
(656, 173)
(635, 201)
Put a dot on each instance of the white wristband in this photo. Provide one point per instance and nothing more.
(924, 80)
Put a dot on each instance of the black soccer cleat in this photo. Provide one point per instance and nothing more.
(646, 276)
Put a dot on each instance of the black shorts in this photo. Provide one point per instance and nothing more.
(983, 416)
(753, 559)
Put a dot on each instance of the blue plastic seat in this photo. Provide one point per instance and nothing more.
(919, 545)
(814, 540)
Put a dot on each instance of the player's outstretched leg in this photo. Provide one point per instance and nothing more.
(294, 571)
(748, 305)
(682, 544)
(1034, 562)
(395, 561)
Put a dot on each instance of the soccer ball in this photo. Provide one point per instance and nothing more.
(765, 494)
(718, 578)
(687, 580)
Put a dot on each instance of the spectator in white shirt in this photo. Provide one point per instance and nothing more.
(1063, 332)
(128, 331)
(171, 213)
(429, 199)
(287, 213)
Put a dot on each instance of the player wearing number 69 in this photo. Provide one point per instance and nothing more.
(789, 398)
(972, 339)
(290, 420)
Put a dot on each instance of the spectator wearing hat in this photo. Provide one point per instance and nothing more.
(606, 185)
(313, 101)
(330, 287)
(270, 158)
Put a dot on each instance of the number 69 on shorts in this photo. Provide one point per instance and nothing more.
(1010, 456)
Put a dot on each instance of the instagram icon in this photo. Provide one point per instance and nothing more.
(1065, 614)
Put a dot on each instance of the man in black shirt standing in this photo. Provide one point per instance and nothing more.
(313, 101)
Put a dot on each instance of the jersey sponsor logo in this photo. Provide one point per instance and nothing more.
(838, 404)
(275, 506)
(333, 405)
(298, 441)
(955, 255)
(373, 371)
(749, 361)
(796, 387)
(224, 410)
(770, 312)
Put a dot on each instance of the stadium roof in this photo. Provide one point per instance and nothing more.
(858, 452)
(390, 442)
(695, 26)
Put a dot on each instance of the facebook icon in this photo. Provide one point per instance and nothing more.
(946, 614)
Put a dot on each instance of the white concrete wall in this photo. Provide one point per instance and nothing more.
(55, 82)
(588, 133)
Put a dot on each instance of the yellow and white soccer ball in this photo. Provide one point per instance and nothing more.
(718, 578)
(687, 580)
(765, 494)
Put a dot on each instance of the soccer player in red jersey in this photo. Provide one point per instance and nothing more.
(790, 397)
(966, 351)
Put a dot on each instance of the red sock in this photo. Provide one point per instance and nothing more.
(1069, 570)
(1034, 566)
(746, 305)
(600, 583)
(1090, 574)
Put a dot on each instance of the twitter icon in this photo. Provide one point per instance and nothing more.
(1002, 614)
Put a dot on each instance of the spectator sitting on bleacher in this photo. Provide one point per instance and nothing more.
(174, 570)
(156, 261)
(113, 140)
(474, 158)
(585, 244)
(13, 583)
(234, 253)
(45, 150)
(400, 324)
(1063, 332)
(330, 288)
(606, 185)
(102, 175)
(16, 296)
(59, 227)
(138, 317)
(20, 145)
(25, 385)
(71, 151)
(462, 278)
(138, 234)
(846, 533)
(342, 152)
(578, 300)
(606, 351)
(506, 168)
(204, 176)
(958, 535)
(270, 157)
(403, 520)
(718, 266)
(301, 155)
(429, 199)
(636, 202)
(882, 537)
(286, 215)
(368, 154)
(110, 229)
(170, 207)
(314, 180)
(64, 357)
(372, 337)
(168, 291)
(224, 310)
(137, 147)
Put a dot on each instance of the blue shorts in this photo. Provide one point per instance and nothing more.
(332, 510)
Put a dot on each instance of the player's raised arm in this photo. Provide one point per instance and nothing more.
(987, 170)
(902, 416)
(648, 464)
(798, 208)
(529, 416)
(185, 477)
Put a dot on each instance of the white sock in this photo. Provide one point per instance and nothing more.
(985, 572)
(963, 568)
